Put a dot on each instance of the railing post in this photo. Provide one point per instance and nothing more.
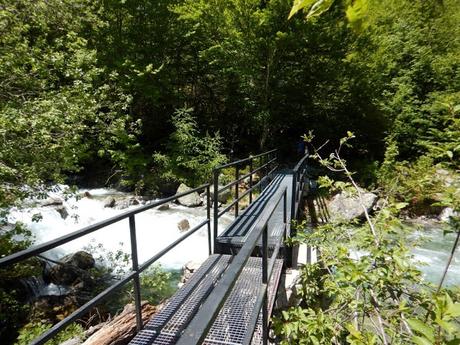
(250, 180)
(136, 282)
(216, 207)
(237, 192)
(285, 206)
(293, 194)
(265, 285)
(208, 215)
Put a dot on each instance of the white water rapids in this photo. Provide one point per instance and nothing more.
(155, 229)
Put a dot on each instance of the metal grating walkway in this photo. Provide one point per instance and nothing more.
(236, 234)
(232, 322)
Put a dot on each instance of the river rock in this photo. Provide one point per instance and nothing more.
(132, 201)
(446, 213)
(62, 211)
(187, 271)
(164, 207)
(183, 225)
(190, 200)
(68, 275)
(344, 206)
(87, 195)
(109, 202)
(72, 270)
(80, 259)
(51, 201)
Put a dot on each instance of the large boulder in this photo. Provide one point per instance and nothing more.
(190, 200)
(80, 259)
(72, 270)
(346, 206)
(69, 275)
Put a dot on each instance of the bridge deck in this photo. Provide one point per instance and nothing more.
(239, 314)
(233, 321)
(237, 232)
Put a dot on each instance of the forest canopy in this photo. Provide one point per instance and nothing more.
(144, 95)
(91, 88)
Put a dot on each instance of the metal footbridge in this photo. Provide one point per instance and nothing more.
(229, 299)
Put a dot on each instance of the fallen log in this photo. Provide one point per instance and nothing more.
(122, 328)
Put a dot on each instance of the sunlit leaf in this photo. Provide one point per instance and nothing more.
(315, 7)
(421, 341)
(422, 328)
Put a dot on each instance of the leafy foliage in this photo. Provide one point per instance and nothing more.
(190, 157)
(32, 330)
(364, 289)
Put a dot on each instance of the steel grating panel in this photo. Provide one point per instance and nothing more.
(235, 236)
(230, 326)
(182, 306)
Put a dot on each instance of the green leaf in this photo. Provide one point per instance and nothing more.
(401, 205)
(422, 328)
(319, 8)
(316, 7)
(353, 331)
(298, 5)
(454, 310)
(421, 341)
(447, 326)
(450, 154)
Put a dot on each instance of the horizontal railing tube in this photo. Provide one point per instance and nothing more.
(38, 249)
(241, 161)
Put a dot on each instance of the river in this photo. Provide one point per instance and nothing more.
(156, 229)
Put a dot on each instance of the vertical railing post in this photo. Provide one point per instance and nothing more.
(250, 180)
(136, 282)
(237, 192)
(216, 207)
(208, 216)
(293, 196)
(265, 285)
(285, 206)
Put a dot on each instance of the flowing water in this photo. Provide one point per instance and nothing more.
(433, 253)
(155, 229)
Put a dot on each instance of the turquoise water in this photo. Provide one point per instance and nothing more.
(433, 253)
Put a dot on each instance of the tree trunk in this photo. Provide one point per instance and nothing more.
(122, 328)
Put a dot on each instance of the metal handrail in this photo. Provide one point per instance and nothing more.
(269, 158)
(133, 275)
(198, 328)
(298, 182)
(244, 160)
